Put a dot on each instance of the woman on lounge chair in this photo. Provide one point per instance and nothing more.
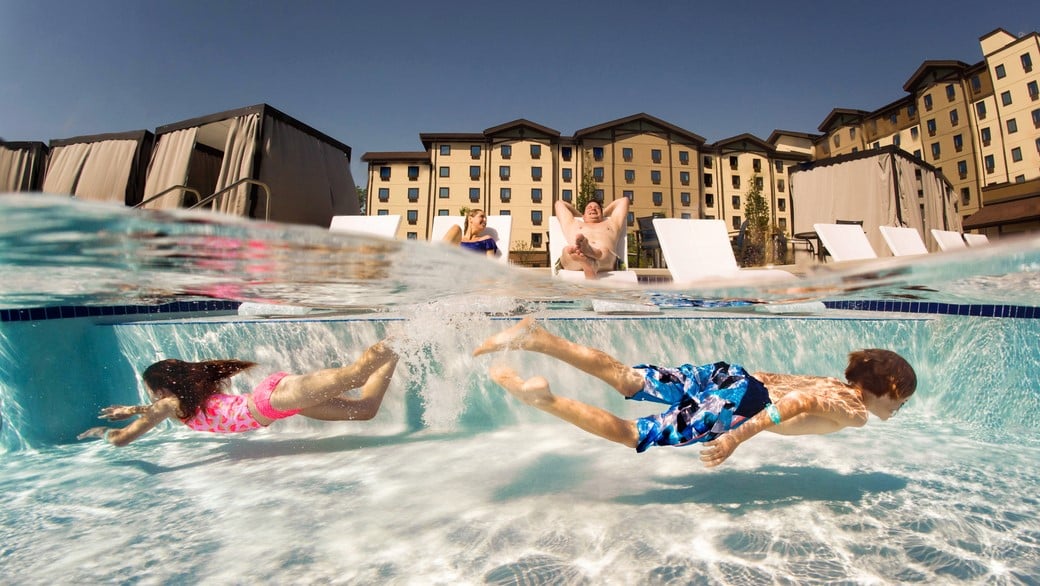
(471, 236)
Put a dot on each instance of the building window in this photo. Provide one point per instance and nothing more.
(896, 140)
(684, 158)
(735, 222)
(988, 162)
(536, 217)
(444, 172)
(1012, 126)
(658, 198)
(1005, 98)
(536, 151)
(781, 205)
(503, 172)
(445, 150)
(598, 194)
(733, 161)
(597, 173)
(536, 194)
(1027, 62)
(779, 166)
(1036, 118)
(1016, 154)
(852, 132)
(384, 194)
(954, 117)
(629, 195)
(707, 180)
(684, 198)
(756, 165)
(597, 153)
(980, 109)
(1038, 145)
(951, 94)
(384, 173)
(911, 111)
(626, 154)
(976, 84)
(893, 118)
(474, 172)
(935, 151)
(505, 213)
(735, 181)
(630, 218)
(917, 153)
(413, 217)
(382, 212)
(474, 151)
(735, 201)
(930, 125)
(837, 143)
(567, 195)
(655, 156)
(567, 174)
(709, 200)
(707, 162)
(507, 151)
(505, 194)
(412, 235)
(877, 145)
(1001, 74)
(913, 132)
(781, 185)
(413, 193)
(1034, 92)
(442, 212)
(958, 142)
(630, 175)
(684, 177)
(655, 177)
(759, 182)
(536, 173)
(962, 169)
(965, 196)
(928, 102)
(536, 239)
(474, 194)
(413, 172)
(985, 136)
(566, 153)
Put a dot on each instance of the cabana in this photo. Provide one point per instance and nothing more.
(22, 165)
(881, 187)
(306, 171)
(99, 167)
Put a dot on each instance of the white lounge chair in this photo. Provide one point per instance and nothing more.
(557, 242)
(498, 227)
(903, 241)
(385, 226)
(698, 250)
(845, 241)
(973, 240)
(948, 240)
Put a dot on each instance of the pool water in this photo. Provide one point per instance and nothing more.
(457, 482)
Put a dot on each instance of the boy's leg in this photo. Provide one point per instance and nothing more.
(307, 390)
(535, 392)
(361, 409)
(527, 335)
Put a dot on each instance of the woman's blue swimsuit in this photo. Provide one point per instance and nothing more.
(706, 401)
(481, 245)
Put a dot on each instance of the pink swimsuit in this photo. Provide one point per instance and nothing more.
(222, 413)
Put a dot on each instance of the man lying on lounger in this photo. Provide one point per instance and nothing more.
(590, 243)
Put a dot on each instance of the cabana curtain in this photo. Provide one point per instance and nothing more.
(16, 166)
(239, 152)
(169, 167)
(106, 171)
(64, 168)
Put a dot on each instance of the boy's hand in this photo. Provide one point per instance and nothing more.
(716, 451)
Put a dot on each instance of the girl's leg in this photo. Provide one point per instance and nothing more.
(362, 409)
(527, 335)
(535, 392)
(308, 390)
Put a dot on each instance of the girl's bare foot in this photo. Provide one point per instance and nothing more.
(513, 337)
(533, 391)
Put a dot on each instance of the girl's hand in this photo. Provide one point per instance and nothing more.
(98, 432)
(716, 451)
(118, 412)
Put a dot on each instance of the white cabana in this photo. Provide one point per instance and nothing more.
(882, 187)
(101, 167)
(22, 165)
(307, 172)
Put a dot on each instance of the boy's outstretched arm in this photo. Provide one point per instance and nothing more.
(789, 406)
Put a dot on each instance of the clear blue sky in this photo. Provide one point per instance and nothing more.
(375, 74)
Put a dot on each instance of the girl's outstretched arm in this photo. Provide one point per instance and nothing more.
(150, 416)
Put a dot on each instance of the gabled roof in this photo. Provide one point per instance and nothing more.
(776, 134)
(391, 156)
(521, 124)
(428, 138)
(931, 71)
(840, 117)
(743, 143)
(645, 118)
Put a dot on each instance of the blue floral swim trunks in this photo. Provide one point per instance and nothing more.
(706, 401)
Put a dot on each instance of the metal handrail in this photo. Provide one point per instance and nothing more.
(168, 190)
(267, 193)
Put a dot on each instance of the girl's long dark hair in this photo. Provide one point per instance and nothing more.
(192, 382)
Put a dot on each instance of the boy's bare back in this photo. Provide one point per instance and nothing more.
(829, 405)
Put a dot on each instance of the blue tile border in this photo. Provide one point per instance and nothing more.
(67, 311)
(975, 310)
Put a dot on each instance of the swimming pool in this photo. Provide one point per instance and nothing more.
(455, 481)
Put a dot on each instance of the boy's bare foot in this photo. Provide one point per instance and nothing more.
(533, 391)
(512, 337)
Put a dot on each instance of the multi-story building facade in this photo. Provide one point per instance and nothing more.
(978, 124)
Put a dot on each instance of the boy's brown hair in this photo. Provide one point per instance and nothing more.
(881, 372)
